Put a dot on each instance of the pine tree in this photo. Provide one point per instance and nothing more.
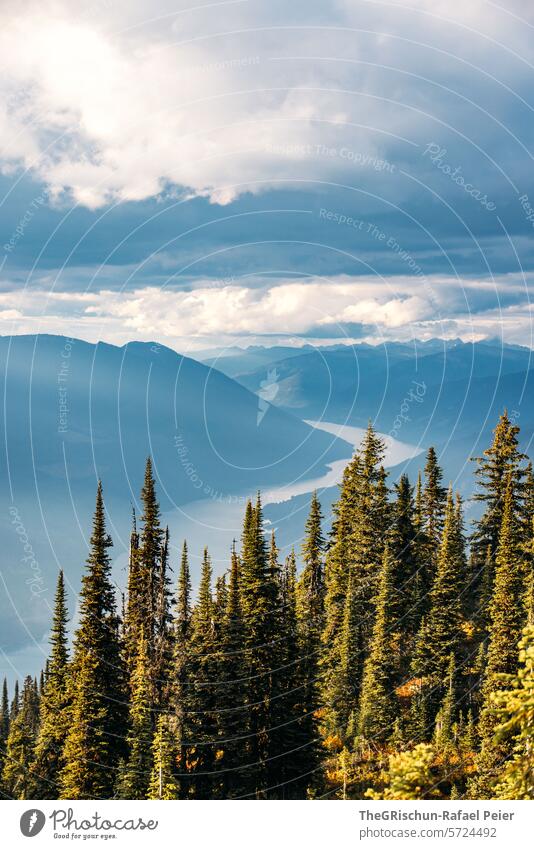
(407, 580)
(181, 695)
(294, 736)
(336, 583)
(17, 773)
(163, 784)
(411, 775)
(54, 704)
(434, 500)
(342, 695)
(361, 527)
(445, 719)
(500, 466)
(310, 610)
(232, 691)
(200, 737)
(4, 727)
(441, 631)
(136, 771)
(15, 703)
(377, 700)
(507, 618)
(95, 739)
(514, 711)
(259, 595)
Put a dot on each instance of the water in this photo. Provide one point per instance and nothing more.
(216, 524)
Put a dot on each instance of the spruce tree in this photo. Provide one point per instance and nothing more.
(4, 726)
(441, 630)
(163, 783)
(407, 580)
(136, 771)
(259, 608)
(514, 712)
(378, 706)
(434, 500)
(95, 738)
(232, 690)
(181, 694)
(200, 738)
(54, 705)
(310, 597)
(17, 779)
(500, 467)
(507, 618)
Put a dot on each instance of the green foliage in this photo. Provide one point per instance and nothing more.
(410, 776)
(514, 712)
(378, 707)
(163, 784)
(389, 662)
(54, 705)
(17, 778)
(136, 770)
(95, 738)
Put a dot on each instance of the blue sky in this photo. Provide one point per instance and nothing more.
(234, 172)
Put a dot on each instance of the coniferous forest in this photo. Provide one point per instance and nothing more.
(396, 663)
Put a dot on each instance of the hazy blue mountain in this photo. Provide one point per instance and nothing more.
(233, 361)
(362, 382)
(75, 412)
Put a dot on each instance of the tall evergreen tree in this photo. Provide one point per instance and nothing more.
(163, 784)
(137, 768)
(500, 466)
(377, 700)
(54, 714)
(507, 618)
(232, 692)
(17, 773)
(201, 727)
(181, 695)
(310, 600)
(4, 727)
(404, 548)
(259, 596)
(95, 739)
(441, 630)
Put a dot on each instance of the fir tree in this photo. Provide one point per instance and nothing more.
(54, 718)
(136, 771)
(259, 608)
(17, 778)
(232, 695)
(434, 500)
(4, 726)
(163, 784)
(201, 728)
(377, 699)
(441, 632)
(514, 711)
(181, 695)
(507, 618)
(407, 580)
(310, 612)
(95, 738)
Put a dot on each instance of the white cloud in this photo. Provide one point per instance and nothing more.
(398, 307)
(127, 98)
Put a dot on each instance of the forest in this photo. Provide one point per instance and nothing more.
(396, 663)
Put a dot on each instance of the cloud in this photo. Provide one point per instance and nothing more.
(133, 99)
(216, 313)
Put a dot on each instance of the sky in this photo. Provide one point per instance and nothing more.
(209, 174)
